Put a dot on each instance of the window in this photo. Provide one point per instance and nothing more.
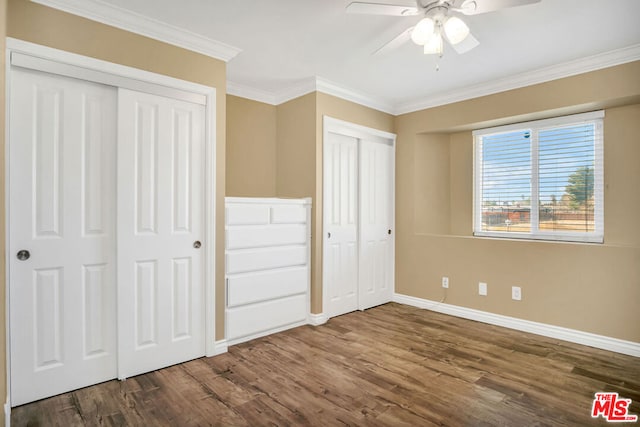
(540, 180)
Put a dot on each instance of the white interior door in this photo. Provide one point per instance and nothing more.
(340, 253)
(160, 227)
(376, 241)
(62, 193)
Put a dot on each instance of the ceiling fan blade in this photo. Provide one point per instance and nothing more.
(466, 45)
(476, 7)
(381, 9)
(394, 43)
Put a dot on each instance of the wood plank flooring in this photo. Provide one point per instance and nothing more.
(392, 365)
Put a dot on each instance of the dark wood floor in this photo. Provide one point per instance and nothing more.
(391, 365)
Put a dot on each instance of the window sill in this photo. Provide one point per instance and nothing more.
(577, 238)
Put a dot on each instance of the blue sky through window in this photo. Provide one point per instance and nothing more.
(507, 165)
(506, 172)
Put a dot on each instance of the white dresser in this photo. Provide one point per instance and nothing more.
(267, 265)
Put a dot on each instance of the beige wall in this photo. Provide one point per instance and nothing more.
(432, 206)
(295, 148)
(592, 288)
(251, 148)
(42, 25)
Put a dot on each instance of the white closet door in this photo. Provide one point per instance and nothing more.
(62, 193)
(340, 273)
(376, 224)
(160, 226)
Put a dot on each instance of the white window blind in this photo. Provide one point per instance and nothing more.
(541, 179)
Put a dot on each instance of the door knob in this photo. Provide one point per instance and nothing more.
(328, 235)
(197, 244)
(23, 255)
(389, 231)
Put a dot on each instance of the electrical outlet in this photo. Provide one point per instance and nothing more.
(516, 293)
(445, 282)
(482, 289)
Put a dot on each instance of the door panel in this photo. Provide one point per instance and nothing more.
(340, 228)
(62, 192)
(376, 223)
(95, 289)
(95, 169)
(48, 324)
(181, 278)
(144, 173)
(358, 219)
(160, 216)
(181, 167)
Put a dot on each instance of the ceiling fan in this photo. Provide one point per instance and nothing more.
(438, 21)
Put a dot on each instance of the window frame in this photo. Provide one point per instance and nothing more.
(534, 127)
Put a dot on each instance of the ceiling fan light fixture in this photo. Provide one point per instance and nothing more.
(434, 45)
(456, 30)
(423, 31)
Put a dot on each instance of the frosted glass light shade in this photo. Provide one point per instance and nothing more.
(434, 45)
(456, 30)
(423, 31)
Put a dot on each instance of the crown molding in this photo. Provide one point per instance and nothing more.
(330, 88)
(304, 87)
(301, 88)
(115, 16)
(296, 90)
(542, 75)
(248, 92)
(566, 69)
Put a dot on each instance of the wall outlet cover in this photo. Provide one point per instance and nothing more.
(516, 293)
(482, 289)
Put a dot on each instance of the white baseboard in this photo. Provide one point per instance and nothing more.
(579, 337)
(7, 413)
(220, 347)
(317, 319)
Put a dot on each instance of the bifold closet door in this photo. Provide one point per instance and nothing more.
(160, 232)
(62, 234)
